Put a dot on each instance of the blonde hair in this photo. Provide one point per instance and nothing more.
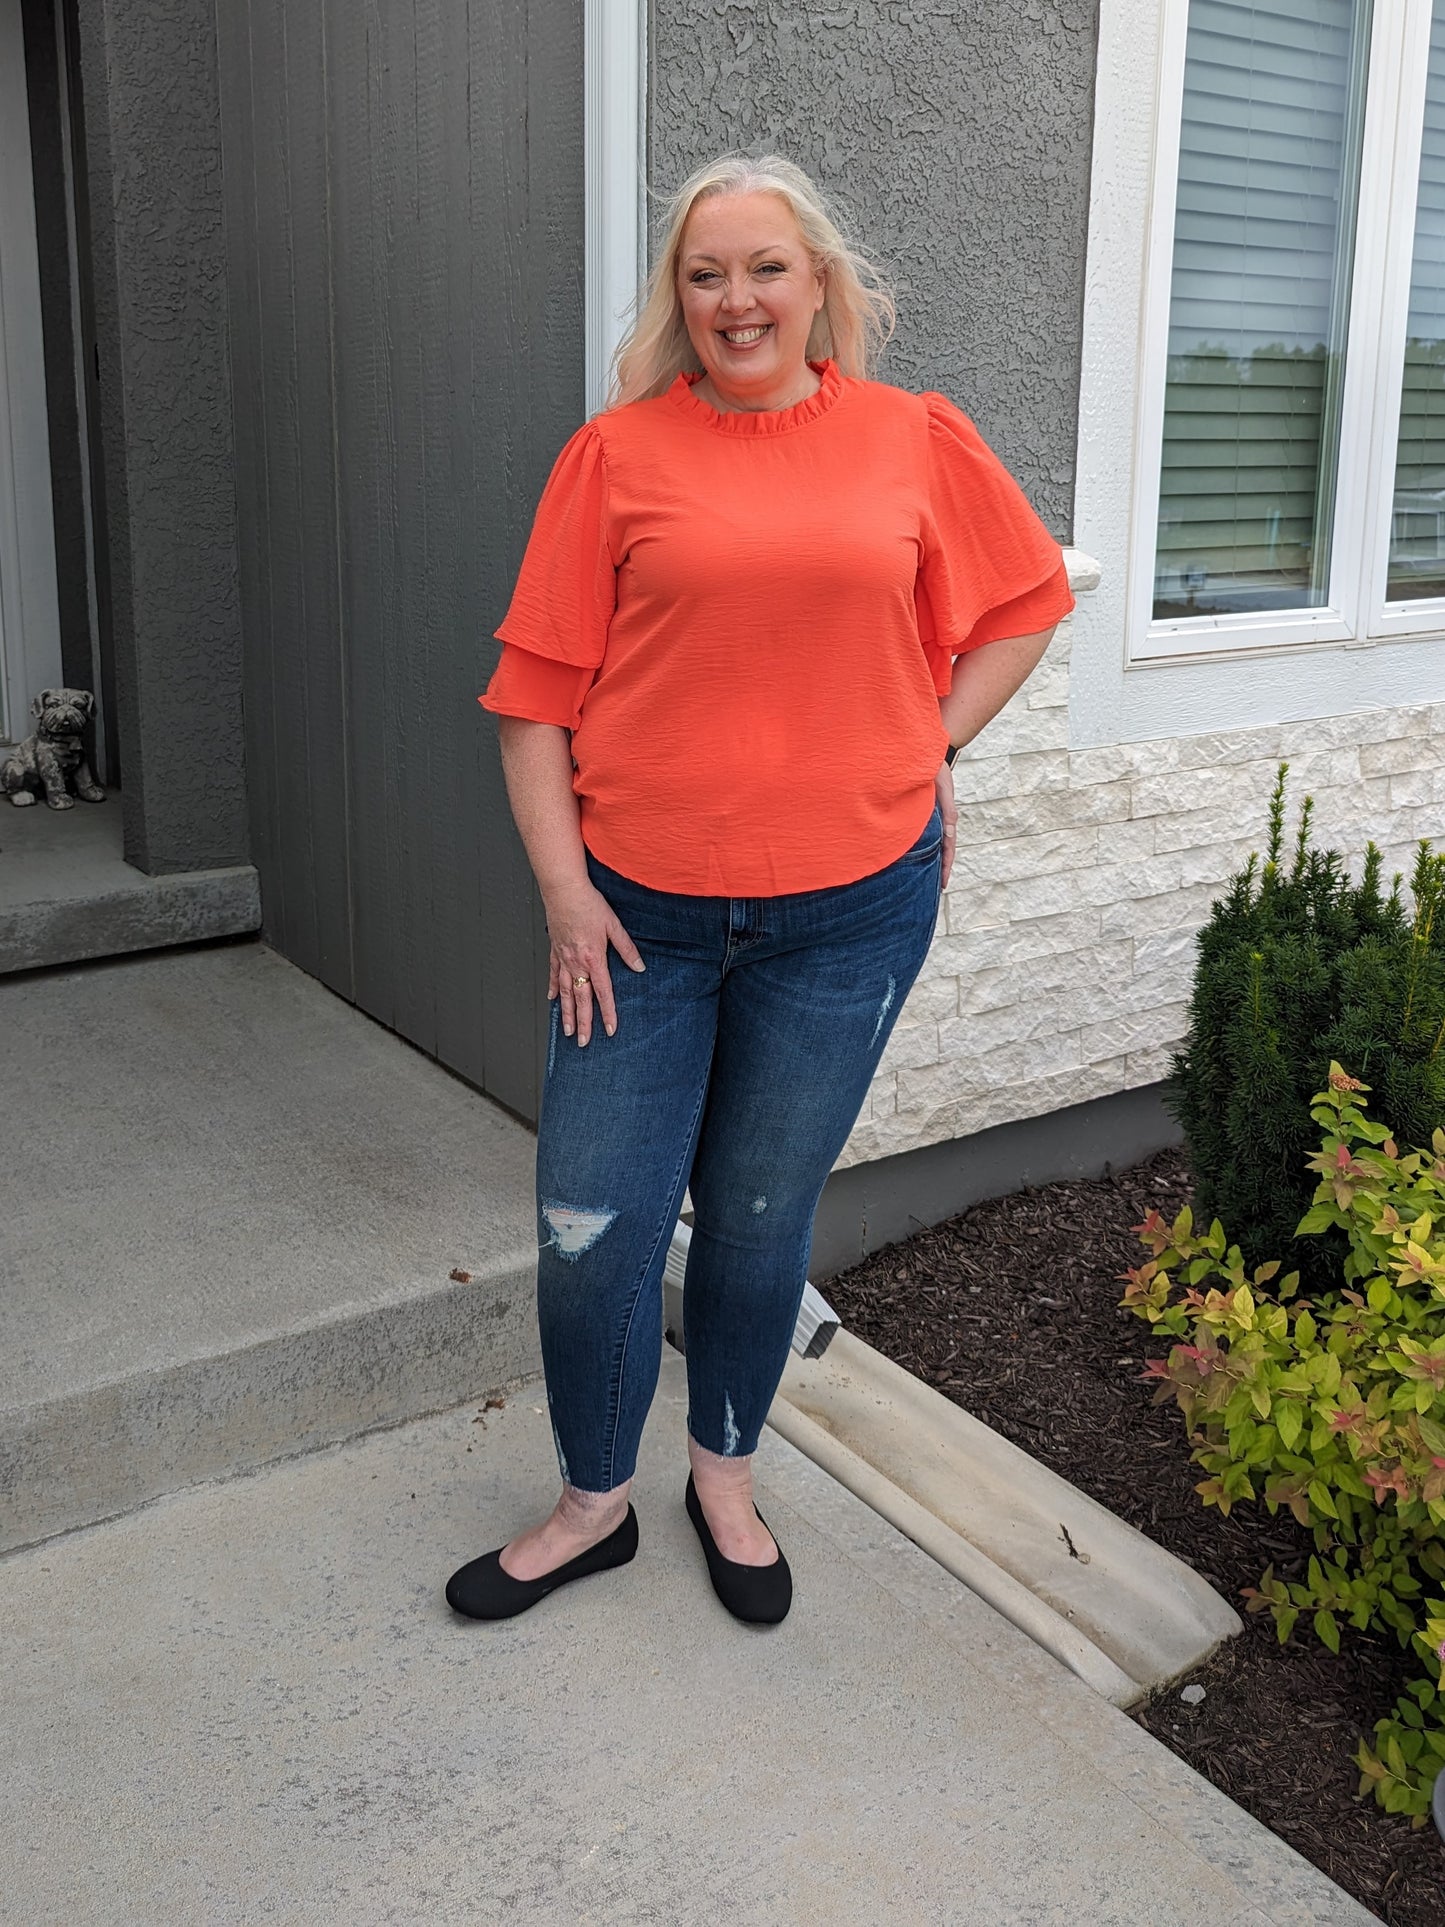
(854, 322)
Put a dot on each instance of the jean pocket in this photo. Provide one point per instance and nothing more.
(930, 842)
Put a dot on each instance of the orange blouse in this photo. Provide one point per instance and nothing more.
(747, 621)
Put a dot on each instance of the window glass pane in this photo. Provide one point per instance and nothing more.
(1259, 303)
(1417, 531)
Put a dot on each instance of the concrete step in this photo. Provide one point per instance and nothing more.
(67, 893)
(249, 1702)
(231, 1208)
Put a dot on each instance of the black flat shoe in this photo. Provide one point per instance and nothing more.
(481, 1589)
(761, 1595)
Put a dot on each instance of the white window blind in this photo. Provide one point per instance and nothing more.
(1273, 108)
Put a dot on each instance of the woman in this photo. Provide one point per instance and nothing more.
(756, 594)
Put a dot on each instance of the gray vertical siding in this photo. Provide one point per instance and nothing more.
(404, 190)
(166, 508)
(957, 134)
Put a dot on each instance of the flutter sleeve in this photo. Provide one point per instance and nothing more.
(554, 634)
(990, 568)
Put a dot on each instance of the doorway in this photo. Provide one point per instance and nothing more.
(30, 656)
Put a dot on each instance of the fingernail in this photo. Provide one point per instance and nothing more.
(611, 1029)
(566, 1029)
(639, 966)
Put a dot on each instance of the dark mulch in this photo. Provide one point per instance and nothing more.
(1012, 1311)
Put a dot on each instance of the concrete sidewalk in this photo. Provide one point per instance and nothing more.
(249, 1223)
(248, 1701)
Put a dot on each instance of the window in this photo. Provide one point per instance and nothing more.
(1292, 452)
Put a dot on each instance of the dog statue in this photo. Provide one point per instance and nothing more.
(43, 761)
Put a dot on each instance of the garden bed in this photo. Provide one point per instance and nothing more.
(1012, 1311)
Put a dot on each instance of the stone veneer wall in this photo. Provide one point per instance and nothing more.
(1065, 946)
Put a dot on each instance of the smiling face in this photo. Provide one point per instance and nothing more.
(749, 293)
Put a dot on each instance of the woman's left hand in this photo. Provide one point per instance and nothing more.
(943, 783)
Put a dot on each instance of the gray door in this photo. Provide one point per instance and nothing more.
(404, 202)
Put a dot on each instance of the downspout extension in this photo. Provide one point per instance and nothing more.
(1122, 1614)
(993, 1585)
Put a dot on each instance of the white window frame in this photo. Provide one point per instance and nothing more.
(1375, 350)
(1149, 638)
(1425, 615)
(1133, 679)
(615, 68)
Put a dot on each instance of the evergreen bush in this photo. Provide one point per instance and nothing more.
(1296, 968)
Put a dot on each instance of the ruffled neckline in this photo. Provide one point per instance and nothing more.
(765, 421)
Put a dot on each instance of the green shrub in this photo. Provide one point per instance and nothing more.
(1296, 967)
(1333, 1407)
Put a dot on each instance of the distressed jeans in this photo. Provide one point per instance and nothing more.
(740, 1061)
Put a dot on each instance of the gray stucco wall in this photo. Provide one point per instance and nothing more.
(167, 526)
(956, 136)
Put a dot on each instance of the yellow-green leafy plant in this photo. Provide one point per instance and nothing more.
(1332, 1405)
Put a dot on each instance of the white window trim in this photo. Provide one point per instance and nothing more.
(1395, 261)
(29, 604)
(615, 66)
(1151, 640)
(1314, 666)
(1110, 696)
(1370, 412)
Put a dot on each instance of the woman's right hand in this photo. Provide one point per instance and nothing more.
(580, 924)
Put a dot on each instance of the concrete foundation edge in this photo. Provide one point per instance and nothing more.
(867, 1206)
(78, 1460)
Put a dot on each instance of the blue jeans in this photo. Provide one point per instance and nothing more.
(740, 1061)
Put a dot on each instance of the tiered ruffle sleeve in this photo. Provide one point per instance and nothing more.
(990, 568)
(554, 633)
